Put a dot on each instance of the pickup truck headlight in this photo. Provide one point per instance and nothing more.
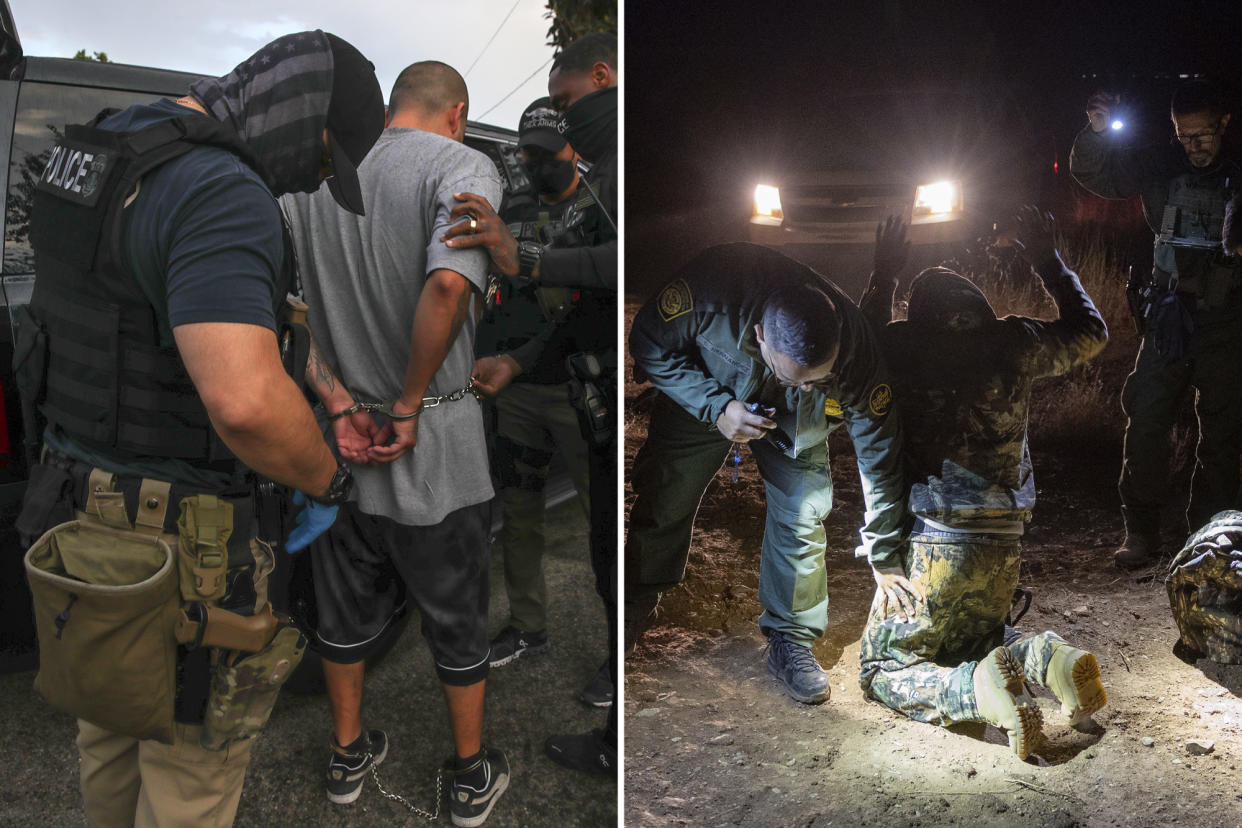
(939, 199)
(768, 204)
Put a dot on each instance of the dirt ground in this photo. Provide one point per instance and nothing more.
(711, 740)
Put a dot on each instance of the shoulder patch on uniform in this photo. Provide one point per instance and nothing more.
(879, 400)
(832, 408)
(675, 300)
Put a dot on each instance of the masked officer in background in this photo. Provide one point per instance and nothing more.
(583, 87)
(743, 343)
(965, 383)
(151, 350)
(1189, 311)
(534, 330)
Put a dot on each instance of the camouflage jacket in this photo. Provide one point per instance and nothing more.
(695, 341)
(966, 391)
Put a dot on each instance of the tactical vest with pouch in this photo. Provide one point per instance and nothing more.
(97, 369)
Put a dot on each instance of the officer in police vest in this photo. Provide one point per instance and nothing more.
(154, 352)
(1189, 311)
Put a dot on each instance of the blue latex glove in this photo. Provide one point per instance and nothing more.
(311, 522)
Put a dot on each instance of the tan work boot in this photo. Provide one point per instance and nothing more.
(1138, 550)
(1003, 701)
(1074, 678)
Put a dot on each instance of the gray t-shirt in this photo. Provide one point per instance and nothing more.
(362, 277)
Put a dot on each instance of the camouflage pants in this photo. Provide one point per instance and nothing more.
(924, 668)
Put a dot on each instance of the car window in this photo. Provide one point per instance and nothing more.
(43, 109)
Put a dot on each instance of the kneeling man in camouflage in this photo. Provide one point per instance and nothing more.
(964, 378)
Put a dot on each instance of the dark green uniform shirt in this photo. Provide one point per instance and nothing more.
(696, 342)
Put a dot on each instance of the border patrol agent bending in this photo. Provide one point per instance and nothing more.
(1189, 312)
(965, 380)
(740, 325)
(152, 349)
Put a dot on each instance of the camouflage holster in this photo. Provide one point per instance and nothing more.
(1205, 592)
(244, 687)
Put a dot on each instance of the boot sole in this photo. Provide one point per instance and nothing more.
(501, 662)
(1086, 693)
(1005, 670)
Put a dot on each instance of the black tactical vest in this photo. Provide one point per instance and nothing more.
(109, 384)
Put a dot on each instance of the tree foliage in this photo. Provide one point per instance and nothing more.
(571, 19)
(101, 57)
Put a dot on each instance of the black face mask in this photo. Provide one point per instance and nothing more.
(550, 176)
(590, 125)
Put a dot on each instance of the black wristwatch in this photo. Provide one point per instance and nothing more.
(529, 255)
(338, 489)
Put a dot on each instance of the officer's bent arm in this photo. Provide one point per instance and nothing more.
(874, 425)
(585, 267)
(1110, 171)
(254, 405)
(667, 352)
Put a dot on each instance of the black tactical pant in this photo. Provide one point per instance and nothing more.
(1153, 394)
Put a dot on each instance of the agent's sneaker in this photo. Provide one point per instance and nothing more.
(590, 752)
(510, 643)
(475, 789)
(1001, 697)
(348, 771)
(598, 692)
(1074, 678)
(796, 668)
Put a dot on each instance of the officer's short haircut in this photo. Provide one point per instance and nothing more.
(1200, 96)
(586, 51)
(429, 87)
(801, 322)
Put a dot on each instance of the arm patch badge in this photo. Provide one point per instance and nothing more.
(675, 300)
(880, 399)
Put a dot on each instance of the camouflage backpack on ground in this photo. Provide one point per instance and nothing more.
(1205, 592)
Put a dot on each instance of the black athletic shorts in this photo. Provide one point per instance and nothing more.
(366, 565)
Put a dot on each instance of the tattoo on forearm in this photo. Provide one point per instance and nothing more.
(322, 376)
(459, 317)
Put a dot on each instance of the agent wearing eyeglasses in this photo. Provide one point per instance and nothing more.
(1189, 312)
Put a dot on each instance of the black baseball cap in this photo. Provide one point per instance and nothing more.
(537, 127)
(355, 120)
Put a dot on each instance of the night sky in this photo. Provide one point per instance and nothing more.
(712, 86)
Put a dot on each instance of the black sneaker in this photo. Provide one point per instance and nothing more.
(598, 692)
(797, 669)
(589, 752)
(511, 642)
(471, 801)
(348, 771)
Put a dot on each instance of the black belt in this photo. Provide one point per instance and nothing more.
(241, 497)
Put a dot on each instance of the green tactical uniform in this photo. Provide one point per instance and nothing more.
(1208, 285)
(696, 343)
(965, 383)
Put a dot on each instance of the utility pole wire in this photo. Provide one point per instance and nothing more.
(493, 37)
(516, 88)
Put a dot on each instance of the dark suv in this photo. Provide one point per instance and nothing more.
(950, 160)
(38, 96)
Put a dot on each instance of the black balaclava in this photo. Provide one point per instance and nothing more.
(277, 100)
(590, 124)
